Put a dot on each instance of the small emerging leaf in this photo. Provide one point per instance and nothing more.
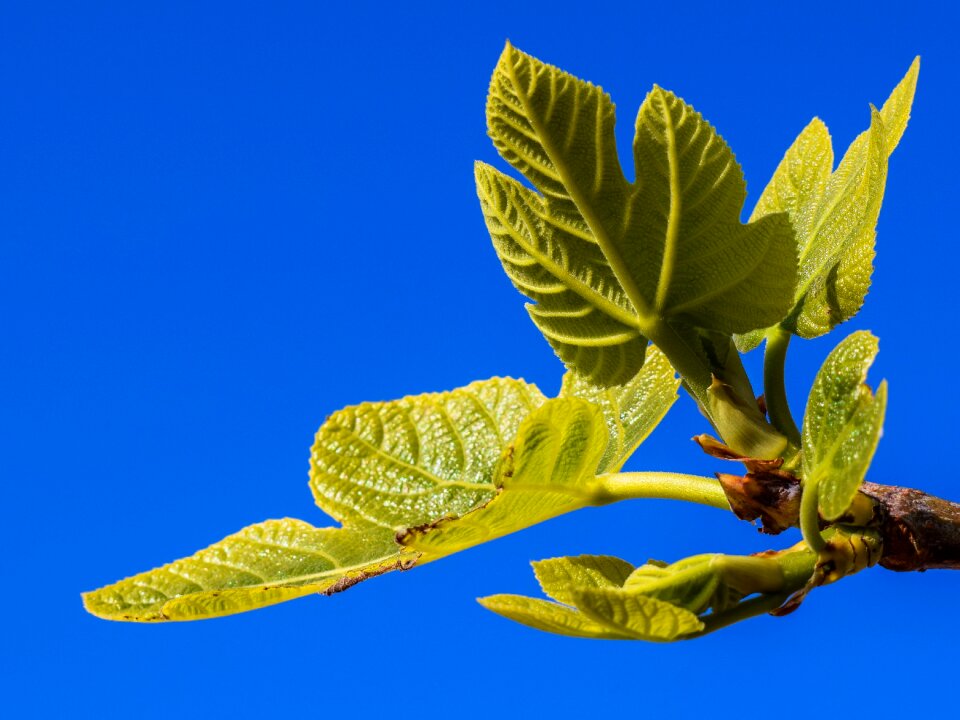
(631, 410)
(559, 576)
(549, 617)
(834, 214)
(842, 424)
(261, 565)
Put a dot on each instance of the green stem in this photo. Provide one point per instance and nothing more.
(663, 485)
(774, 387)
(741, 611)
(810, 516)
(691, 366)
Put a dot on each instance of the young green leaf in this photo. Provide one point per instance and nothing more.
(797, 188)
(842, 424)
(642, 616)
(549, 471)
(579, 304)
(560, 576)
(549, 617)
(631, 410)
(261, 565)
(592, 584)
(834, 214)
(418, 459)
(609, 262)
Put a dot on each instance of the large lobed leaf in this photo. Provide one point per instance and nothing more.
(834, 213)
(608, 262)
(495, 453)
(842, 424)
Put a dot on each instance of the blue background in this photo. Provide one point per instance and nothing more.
(220, 224)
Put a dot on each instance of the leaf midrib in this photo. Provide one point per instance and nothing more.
(572, 281)
(617, 263)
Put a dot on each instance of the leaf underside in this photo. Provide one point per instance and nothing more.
(376, 467)
(605, 261)
(460, 468)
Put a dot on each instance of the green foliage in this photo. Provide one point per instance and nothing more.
(600, 596)
(633, 284)
(834, 213)
(611, 263)
(631, 410)
(841, 427)
(261, 565)
(414, 460)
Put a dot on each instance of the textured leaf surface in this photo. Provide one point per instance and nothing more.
(560, 576)
(580, 306)
(591, 602)
(605, 260)
(835, 214)
(549, 471)
(411, 461)
(631, 410)
(842, 424)
(797, 188)
(261, 565)
(643, 617)
(550, 617)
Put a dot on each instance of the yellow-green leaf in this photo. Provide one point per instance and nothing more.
(550, 617)
(842, 424)
(560, 576)
(835, 214)
(609, 262)
(685, 246)
(580, 306)
(631, 410)
(411, 461)
(637, 615)
(261, 565)
(549, 470)
(797, 188)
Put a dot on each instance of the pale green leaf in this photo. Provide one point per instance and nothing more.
(549, 471)
(641, 616)
(549, 616)
(607, 261)
(835, 214)
(414, 460)
(797, 188)
(842, 424)
(696, 583)
(685, 246)
(837, 260)
(261, 565)
(580, 306)
(560, 576)
(631, 410)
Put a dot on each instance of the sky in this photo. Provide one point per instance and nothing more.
(221, 222)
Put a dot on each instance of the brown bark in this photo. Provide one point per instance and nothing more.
(919, 531)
